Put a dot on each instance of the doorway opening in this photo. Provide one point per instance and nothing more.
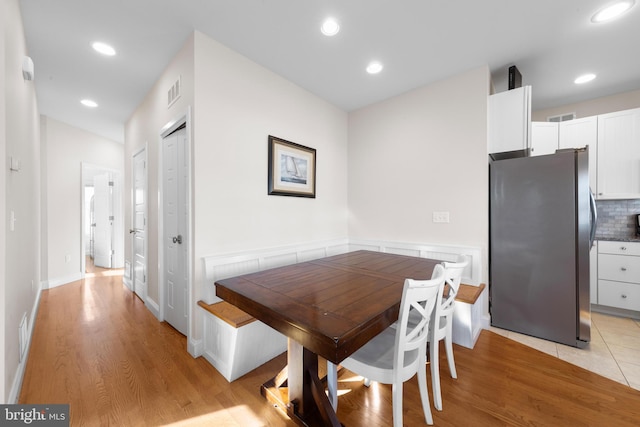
(102, 218)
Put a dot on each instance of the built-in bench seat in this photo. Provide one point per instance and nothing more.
(468, 313)
(231, 314)
(236, 343)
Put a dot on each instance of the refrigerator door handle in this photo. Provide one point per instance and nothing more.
(594, 218)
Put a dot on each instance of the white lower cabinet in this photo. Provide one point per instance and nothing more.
(619, 274)
(619, 294)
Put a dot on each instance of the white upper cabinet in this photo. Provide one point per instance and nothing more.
(544, 138)
(509, 121)
(619, 155)
(579, 133)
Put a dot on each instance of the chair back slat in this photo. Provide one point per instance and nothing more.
(453, 277)
(419, 297)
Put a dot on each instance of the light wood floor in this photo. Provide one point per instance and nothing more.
(96, 347)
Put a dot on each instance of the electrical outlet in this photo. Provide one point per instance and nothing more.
(67, 258)
(440, 216)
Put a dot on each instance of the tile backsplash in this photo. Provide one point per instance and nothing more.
(617, 218)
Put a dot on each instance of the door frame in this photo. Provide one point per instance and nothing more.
(132, 277)
(88, 171)
(184, 119)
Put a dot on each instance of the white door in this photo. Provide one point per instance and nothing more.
(139, 226)
(103, 216)
(175, 244)
(117, 223)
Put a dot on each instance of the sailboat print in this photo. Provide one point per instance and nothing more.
(294, 169)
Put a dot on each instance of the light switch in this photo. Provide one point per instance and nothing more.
(441, 216)
(12, 221)
(14, 164)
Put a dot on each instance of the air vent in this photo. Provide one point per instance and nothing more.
(174, 92)
(562, 117)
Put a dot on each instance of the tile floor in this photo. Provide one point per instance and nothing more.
(614, 350)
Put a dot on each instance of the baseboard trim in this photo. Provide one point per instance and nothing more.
(52, 283)
(16, 386)
(195, 347)
(154, 308)
(127, 282)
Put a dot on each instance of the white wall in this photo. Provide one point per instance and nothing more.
(417, 153)
(4, 16)
(238, 104)
(20, 194)
(235, 104)
(142, 130)
(64, 149)
(592, 107)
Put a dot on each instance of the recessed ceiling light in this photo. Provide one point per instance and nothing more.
(89, 103)
(612, 11)
(103, 48)
(374, 67)
(330, 27)
(584, 78)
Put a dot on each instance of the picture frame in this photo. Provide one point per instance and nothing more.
(292, 169)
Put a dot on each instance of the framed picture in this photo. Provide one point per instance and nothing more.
(292, 169)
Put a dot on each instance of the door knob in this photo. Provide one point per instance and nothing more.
(178, 239)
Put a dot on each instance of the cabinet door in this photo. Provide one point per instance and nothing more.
(580, 133)
(544, 138)
(619, 248)
(619, 155)
(619, 268)
(509, 120)
(619, 294)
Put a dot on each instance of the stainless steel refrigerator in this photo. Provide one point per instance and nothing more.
(541, 230)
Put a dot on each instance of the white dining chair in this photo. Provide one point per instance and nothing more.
(399, 353)
(441, 328)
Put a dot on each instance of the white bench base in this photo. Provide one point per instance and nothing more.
(236, 351)
(469, 320)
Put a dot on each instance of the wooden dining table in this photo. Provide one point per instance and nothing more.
(329, 307)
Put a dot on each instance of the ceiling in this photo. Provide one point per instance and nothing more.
(418, 41)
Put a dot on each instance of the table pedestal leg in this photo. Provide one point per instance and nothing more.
(305, 402)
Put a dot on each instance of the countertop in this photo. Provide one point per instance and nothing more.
(619, 238)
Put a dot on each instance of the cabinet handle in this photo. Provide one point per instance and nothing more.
(623, 268)
(623, 296)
